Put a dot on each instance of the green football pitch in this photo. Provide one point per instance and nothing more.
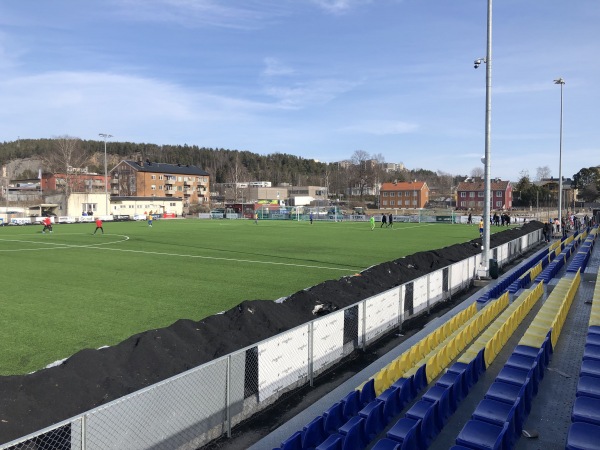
(68, 290)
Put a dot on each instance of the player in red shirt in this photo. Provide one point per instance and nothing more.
(47, 225)
(99, 226)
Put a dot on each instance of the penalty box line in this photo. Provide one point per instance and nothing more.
(218, 258)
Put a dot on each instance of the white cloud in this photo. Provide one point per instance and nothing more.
(339, 6)
(313, 92)
(274, 67)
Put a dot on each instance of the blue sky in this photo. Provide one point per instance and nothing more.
(314, 78)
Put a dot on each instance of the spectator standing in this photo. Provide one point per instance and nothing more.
(383, 220)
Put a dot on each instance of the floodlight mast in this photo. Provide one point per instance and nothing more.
(105, 136)
(560, 224)
(487, 60)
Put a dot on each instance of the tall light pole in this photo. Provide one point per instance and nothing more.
(105, 136)
(485, 254)
(561, 82)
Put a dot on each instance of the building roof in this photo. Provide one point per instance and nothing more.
(115, 198)
(478, 186)
(403, 186)
(154, 167)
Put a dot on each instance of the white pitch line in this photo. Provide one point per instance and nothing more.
(230, 259)
(60, 246)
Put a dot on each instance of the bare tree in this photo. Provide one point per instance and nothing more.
(477, 172)
(67, 157)
(542, 173)
(361, 170)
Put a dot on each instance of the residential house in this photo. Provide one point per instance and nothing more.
(470, 194)
(189, 184)
(411, 194)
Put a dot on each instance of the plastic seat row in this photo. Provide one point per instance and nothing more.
(426, 418)
(413, 356)
(582, 257)
(521, 277)
(498, 419)
(375, 401)
(585, 416)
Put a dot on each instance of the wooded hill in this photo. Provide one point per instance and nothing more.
(223, 165)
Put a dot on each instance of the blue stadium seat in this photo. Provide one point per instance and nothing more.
(294, 442)
(583, 436)
(420, 379)
(455, 382)
(467, 372)
(333, 442)
(591, 368)
(367, 393)
(588, 386)
(429, 428)
(351, 404)
(387, 444)
(586, 409)
(334, 418)
(498, 413)
(524, 362)
(391, 403)
(591, 352)
(354, 434)
(441, 396)
(482, 436)
(519, 377)
(594, 329)
(374, 420)
(406, 392)
(510, 393)
(406, 432)
(592, 339)
(314, 433)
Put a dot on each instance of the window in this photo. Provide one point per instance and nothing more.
(463, 204)
(160, 177)
(180, 179)
(153, 187)
(406, 202)
(414, 203)
(498, 193)
(472, 194)
(384, 203)
(153, 177)
(391, 202)
(171, 204)
(160, 187)
(385, 194)
(407, 194)
(414, 193)
(499, 204)
(392, 194)
(480, 194)
(89, 207)
(180, 188)
(463, 194)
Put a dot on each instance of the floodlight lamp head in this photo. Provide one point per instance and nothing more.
(559, 81)
(478, 62)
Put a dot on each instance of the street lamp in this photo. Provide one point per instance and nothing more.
(488, 126)
(561, 82)
(105, 136)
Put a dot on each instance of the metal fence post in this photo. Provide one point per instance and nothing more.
(400, 308)
(83, 432)
(364, 325)
(228, 396)
(311, 337)
(428, 296)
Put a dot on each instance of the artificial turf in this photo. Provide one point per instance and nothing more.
(69, 290)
